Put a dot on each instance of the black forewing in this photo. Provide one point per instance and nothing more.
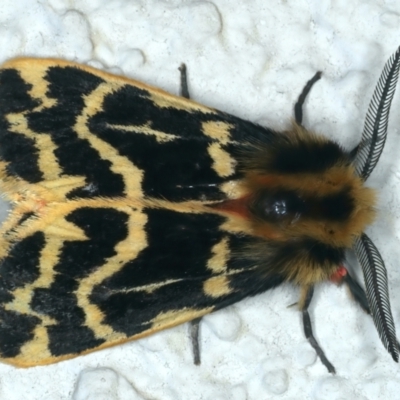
(177, 168)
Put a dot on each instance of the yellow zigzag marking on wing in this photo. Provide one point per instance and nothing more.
(128, 249)
(132, 175)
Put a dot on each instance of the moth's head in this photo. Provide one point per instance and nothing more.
(301, 185)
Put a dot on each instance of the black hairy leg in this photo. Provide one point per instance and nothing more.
(194, 335)
(309, 333)
(298, 107)
(357, 292)
(184, 91)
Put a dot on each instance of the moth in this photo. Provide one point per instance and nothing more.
(135, 210)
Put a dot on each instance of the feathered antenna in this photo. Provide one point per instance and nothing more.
(368, 153)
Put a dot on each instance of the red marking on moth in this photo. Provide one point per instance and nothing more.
(240, 207)
(236, 206)
(41, 204)
(338, 275)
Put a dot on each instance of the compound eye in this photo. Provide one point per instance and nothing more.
(275, 206)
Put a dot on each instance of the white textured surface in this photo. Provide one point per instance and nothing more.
(250, 58)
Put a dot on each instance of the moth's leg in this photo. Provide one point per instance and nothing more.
(184, 91)
(298, 107)
(357, 291)
(194, 334)
(194, 324)
(306, 300)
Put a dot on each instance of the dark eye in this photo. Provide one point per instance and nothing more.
(277, 205)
